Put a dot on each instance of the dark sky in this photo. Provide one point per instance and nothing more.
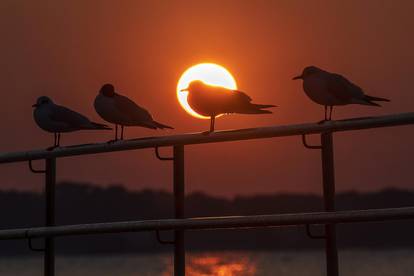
(68, 49)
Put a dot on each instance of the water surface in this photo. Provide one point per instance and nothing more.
(246, 263)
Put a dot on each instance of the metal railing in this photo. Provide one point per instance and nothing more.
(329, 218)
(212, 223)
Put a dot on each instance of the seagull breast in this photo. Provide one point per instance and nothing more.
(203, 103)
(43, 118)
(211, 101)
(106, 108)
(327, 89)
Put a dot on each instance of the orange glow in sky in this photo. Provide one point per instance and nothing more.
(209, 73)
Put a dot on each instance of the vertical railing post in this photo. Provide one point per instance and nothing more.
(49, 254)
(328, 171)
(179, 247)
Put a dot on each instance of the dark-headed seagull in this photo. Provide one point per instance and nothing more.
(120, 110)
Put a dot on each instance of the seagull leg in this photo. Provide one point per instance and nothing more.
(54, 142)
(116, 135)
(122, 132)
(212, 120)
(330, 112)
(326, 115)
(58, 140)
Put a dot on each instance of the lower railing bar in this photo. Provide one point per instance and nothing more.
(206, 223)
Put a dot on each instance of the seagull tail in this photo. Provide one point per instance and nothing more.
(378, 99)
(161, 126)
(258, 109)
(99, 126)
(370, 100)
(260, 106)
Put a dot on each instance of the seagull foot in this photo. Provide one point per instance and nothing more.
(208, 132)
(113, 141)
(323, 121)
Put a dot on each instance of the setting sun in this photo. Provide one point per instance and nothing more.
(209, 73)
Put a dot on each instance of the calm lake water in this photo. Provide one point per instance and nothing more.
(352, 262)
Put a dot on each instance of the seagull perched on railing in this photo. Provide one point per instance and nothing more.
(330, 89)
(208, 100)
(120, 110)
(57, 119)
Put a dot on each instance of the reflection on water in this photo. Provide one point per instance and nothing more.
(249, 263)
(225, 264)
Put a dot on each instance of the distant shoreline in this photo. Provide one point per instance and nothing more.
(84, 203)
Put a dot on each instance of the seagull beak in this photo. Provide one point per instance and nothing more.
(298, 77)
(183, 90)
(35, 105)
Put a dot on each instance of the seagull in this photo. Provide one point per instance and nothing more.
(330, 89)
(212, 101)
(56, 119)
(120, 110)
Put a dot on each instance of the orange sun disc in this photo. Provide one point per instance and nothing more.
(209, 73)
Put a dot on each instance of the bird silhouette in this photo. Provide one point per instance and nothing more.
(330, 89)
(120, 110)
(212, 101)
(57, 119)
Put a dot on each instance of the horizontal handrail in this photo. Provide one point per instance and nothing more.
(219, 136)
(209, 223)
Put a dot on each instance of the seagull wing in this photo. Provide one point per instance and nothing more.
(342, 89)
(69, 117)
(229, 101)
(226, 96)
(133, 112)
(235, 100)
(241, 96)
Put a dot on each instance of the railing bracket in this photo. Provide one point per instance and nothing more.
(31, 247)
(312, 236)
(157, 153)
(305, 143)
(33, 170)
(157, 232)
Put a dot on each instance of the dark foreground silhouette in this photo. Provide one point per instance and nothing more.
(84, 203)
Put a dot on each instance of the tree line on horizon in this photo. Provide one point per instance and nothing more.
(85, 203)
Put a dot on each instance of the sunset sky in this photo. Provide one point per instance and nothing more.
(68, 49)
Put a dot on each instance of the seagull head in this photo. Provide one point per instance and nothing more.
(107, 90)
(194, 85)
(41, 101)
(308, 71)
